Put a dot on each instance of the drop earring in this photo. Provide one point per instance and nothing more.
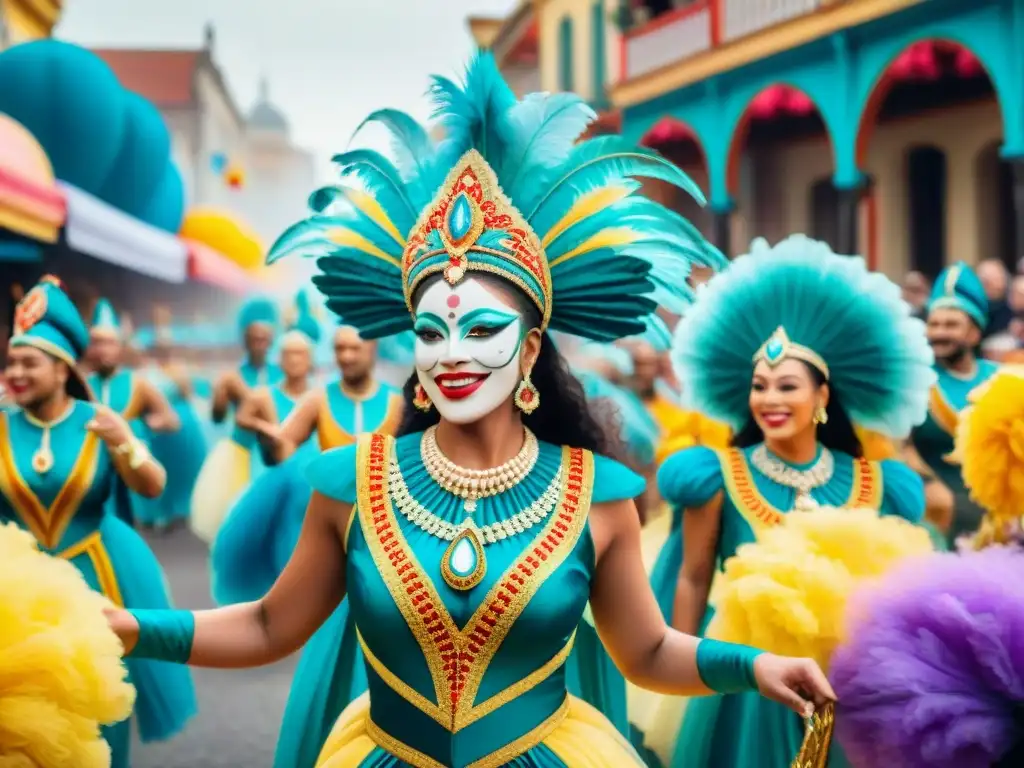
(420, 398)
(527, 397)
(821, 415)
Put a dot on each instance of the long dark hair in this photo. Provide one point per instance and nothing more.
(564, 416)
(836, 434)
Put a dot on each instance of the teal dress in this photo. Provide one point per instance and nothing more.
(120, 392)
(934, 440)
(268, 376)
(516, 685)
(262, 527)
(745, 730)
(66, 510)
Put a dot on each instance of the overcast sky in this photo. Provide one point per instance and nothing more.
(329, 62)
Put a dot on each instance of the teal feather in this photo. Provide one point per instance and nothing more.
(413, 148)
(495, 239)
(381, 179)
(538, 129)
(878, 356)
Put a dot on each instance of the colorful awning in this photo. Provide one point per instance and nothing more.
(31, 204)
(206, 265)
(104, 232)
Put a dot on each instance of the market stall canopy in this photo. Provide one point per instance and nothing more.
(102, 231)
(31, 204)
(100, 138)
(225, 234)
(207, 265)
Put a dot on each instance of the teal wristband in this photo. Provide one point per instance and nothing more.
(727, 667)
(164, 635)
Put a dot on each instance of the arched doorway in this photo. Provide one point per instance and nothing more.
(930, 111)
(780, 151)
(994, 206)
(677, 142)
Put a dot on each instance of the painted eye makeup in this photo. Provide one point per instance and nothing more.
(429, 328)
(484, 323)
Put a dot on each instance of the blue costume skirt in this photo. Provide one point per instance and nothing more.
(118, 563)
(259, 534)
(182, 454)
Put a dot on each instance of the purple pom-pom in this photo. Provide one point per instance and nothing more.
(932, 674)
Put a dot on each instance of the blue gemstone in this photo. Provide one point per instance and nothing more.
(774, 350)
(463, 559)
(460, 218)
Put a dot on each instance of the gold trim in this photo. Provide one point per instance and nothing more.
(136, 399)
(459, 658)
(46, 524)
(945, 416)
(817, 738)
(495, 759)
(92, 545)
(760, 45)
(865, 489)
(790, 350)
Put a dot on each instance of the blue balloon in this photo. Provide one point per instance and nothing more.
(142, 161)
(72, 102)
(218, 162)
(165, 208)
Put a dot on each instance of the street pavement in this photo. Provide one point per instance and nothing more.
(239, 710)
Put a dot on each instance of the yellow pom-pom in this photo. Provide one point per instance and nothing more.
(990, 444)
(787, 593)
(61, 674)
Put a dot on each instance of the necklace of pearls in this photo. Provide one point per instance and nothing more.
(470, 485)
(800, 480)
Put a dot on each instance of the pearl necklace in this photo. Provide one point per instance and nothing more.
(470, 485)
(800, 480)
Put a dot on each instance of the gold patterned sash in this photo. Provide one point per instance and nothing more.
(945, 416)
(817, 739)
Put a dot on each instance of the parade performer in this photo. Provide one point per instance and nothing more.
(470, 545)
(957, 316)
(181, 452)
(59, 455)
(936, 646)
(789, 346)
(260, 531)
(134, 398)
(236, 461)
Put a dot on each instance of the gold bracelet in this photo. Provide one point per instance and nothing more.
(136, 451)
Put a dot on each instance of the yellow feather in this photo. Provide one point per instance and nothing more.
(586, 206)
(606, 238)
(371, 208)
(347, 237)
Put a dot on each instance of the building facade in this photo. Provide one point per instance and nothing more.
(205, 121)
(892, 128)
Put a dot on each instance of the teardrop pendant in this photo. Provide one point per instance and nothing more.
(42, 460)
(464, 564)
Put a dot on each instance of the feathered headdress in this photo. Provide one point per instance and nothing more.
(302, 319)
(509, 191)
(799, 300)
(258, 309)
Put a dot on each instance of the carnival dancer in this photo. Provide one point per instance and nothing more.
(936, 646)
(261, 528)
(957, 316)
(183, 451)
(135, 399)
(789, 346)
(481, 533)
(236, 461)
(61, 452)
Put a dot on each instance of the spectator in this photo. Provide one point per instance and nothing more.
(995, 278)
(916, 290)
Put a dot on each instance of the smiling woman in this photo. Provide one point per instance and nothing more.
(471, 549)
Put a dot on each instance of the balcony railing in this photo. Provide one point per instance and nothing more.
(701, 26)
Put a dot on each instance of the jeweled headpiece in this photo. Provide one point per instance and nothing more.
(799, 300)
(779, 348)
(511, 191)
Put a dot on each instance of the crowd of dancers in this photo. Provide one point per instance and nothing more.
(556, 506)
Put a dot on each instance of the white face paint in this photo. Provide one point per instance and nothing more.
(467, 349)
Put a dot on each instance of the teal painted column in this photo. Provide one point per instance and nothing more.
(721, 228)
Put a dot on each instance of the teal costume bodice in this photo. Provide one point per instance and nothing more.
(119, 392)
(269, 375)
(751, 500)
(934, 439)
(63, 506)
(741, 730)
(458, 676)
(343, 418)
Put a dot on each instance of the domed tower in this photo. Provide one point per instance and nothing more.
(266, 121)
